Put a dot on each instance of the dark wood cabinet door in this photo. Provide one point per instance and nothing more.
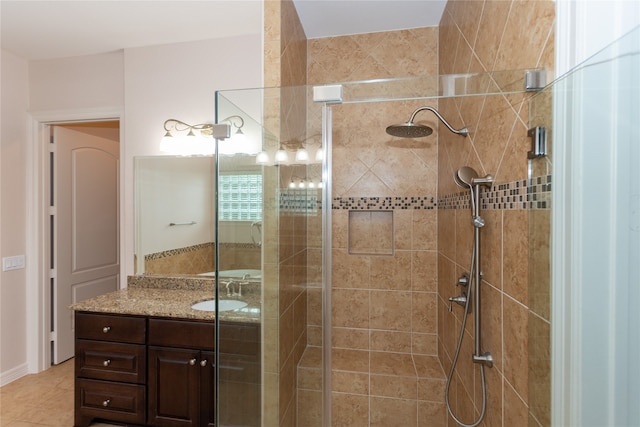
(174, 387)
(207, 389)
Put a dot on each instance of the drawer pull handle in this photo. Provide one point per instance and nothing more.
(106, 329)
(203, 363)
(106, 402)
(106, 362)
(192, 362)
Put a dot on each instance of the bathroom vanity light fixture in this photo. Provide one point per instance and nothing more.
(301, 183)
(281, 156)
(185, 139)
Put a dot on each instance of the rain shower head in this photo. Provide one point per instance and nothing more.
(467, 177)
(409, 130)
(413, 130)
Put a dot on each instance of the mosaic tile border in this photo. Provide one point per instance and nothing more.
(177, 251)
(383, 203)
(534, 193)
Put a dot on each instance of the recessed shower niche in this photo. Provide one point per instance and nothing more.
(370, 232)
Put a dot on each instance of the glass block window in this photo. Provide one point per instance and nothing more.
(240, 197)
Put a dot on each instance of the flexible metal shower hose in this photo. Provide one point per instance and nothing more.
(457, 353)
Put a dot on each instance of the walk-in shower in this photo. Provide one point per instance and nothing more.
(410, 129)
(467, 177)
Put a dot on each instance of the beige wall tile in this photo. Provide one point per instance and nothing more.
(387, 412)
(350, 382)
(424, 344)
(392, 364)
(391, 273)
(431, 414)
(431, 389)
(350, 360)
(391, 341)
(352, 338)
(516, 346)
(390, 310)
(349, 410)
(516, 255)
(350, 308)
(392, 386)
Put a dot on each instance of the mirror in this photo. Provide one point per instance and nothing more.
(175, 217)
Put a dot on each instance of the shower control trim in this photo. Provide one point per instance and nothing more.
(460, 300)
(463, 280)
(486, 359)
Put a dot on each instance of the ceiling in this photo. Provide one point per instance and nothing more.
(48, 29)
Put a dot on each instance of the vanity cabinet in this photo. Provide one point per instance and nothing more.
(181, 373)
(111, 369)
(152, 371)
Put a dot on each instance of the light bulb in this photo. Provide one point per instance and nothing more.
(262, 158)
(281, 156)
(302, 155)
(319, 155)
(292, 184)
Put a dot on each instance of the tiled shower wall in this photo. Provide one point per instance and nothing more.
(483, 36)
(384, 253)
(285, 232)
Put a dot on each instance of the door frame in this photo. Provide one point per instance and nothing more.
(38, 307)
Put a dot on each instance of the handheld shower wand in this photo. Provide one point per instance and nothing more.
(467, 177)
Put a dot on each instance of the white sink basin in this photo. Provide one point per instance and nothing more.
(223, 305)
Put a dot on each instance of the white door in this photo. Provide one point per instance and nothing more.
(85, 241)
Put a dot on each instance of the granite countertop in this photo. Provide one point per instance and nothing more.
(172, 297)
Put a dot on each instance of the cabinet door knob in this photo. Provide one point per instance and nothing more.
(106, 402)
(192, 362)
(106, 362)
(203, 362)
(106, 329)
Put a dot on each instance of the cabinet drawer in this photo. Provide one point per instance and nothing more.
(104, 327)
(111, 361)
(113, 401)
(182, 334)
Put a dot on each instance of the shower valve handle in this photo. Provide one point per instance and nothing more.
(463, 280)
(460, 300)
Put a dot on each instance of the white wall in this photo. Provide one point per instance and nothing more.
(84, 82)
(13, 213)
(144, 86)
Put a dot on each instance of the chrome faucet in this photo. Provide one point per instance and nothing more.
(231, 288)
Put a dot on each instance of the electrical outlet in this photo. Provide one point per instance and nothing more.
(13, 262)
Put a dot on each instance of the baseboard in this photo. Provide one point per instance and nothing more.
(13, 374)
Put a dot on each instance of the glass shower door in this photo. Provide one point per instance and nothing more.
(269, 256)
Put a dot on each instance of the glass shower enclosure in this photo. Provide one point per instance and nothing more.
(350, 301)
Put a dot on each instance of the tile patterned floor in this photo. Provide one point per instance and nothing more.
(39, 400)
